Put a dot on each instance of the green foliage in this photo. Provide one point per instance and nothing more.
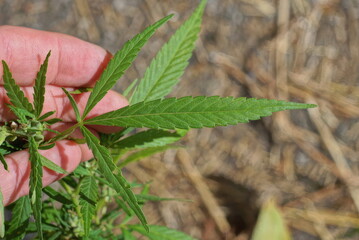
(170, 62)
(119, 64)
(36, 184)
(193, 112)
(16, 95)
(39, 87)
(88, 200)
(79, 208)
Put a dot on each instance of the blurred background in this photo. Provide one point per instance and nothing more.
(297, 50)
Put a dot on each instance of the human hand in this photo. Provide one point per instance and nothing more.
(73, 63)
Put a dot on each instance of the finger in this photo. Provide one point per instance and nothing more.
(73, 62)
(15, 183)
(55, 99)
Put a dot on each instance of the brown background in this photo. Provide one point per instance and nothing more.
(298, 50)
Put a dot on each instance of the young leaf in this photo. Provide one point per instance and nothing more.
(73, 104)
(58, 196)
(119, 64)
(144, 153)
(45, 115)
(193, 112)
(22, 114)
(14, 92)
(36, 184)
(88, 200)
(169, 64)
(150, 138)
(3, 162)
(51, 165)
(20, 219)
(112, 173)
(161, 232)
(2, 216)
(39, 87)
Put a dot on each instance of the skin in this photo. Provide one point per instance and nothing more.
(73, 63)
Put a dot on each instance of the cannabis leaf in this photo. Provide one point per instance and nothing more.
(161, 232)
(88, 200)
(14, 92)
(112, 173)
(39, 87)
(20, 219)
(36, 184)
(119, 63)
(51, 165)
(73, 104)
(149, 138)
(193, 112)
(169, 64)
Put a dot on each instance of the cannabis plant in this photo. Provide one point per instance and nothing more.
(80, 208)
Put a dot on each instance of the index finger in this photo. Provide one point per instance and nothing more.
(73, 62)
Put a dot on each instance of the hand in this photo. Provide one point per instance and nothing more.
(73, 63)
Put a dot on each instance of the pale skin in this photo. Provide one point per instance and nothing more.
(73, 63)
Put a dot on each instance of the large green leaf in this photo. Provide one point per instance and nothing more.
(170, 62)
(112, 173)
(88, 200)
(36, 184)
(119, 64)
(39, 87)
(161, 232)
(20, 219)
(193, 112)
(14, 92)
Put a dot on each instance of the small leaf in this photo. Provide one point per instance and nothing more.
(193, 112)
(161, 232)
(2, 216)
(39, 87)
(13, 91)
(73, 104)
(113, 174)
(270, 224)
(170, 62)
(88, 200)
(81, 90)
(3, 162)
(119, 64)
(46, 115)
(150, 138)
(36, 184)
(46, 147)
(22, 114)
(51, 165)
(20, 219)
(144, 153)
(58, 196)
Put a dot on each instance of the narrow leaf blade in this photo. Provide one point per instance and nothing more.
(39, 87)
(119, 64)
(36, 184)
(170, 62)
(73, 104)
(88, 200)
(51, 165)
(13, 91)
(193, 112)
(113, 174)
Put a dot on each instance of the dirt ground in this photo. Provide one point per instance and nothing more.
(298, 50)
